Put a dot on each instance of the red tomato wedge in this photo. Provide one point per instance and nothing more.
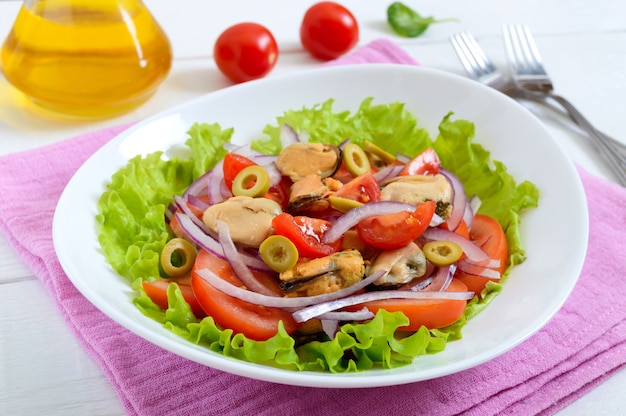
(233, 164)
(396, 230)
(363, 188)
(254, 321)
(157, 292)
(489, 235)
(306, 234)
(431, 313)
(426, 163)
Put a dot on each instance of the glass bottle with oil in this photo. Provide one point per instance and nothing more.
(86, 58)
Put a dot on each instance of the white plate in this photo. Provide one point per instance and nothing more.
(534, 292)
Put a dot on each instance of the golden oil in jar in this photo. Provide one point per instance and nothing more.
(86, 58)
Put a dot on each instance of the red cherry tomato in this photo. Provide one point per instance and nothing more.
(426, 163)
(306, 234)
(328, 30)
(396, 230)
(245, 51)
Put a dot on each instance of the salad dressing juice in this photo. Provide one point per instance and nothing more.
(86, 58)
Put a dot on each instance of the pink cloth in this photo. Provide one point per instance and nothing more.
(578, 349)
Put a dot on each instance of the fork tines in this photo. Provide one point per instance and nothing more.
(522, 50)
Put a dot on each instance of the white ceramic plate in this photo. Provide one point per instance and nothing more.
(534, 292)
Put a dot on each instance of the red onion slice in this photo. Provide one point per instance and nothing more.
(316, 310)
(481, 271)
(235, 260)
(441, 280)
(387, 172)
(352, 217)
(181, 204)
(360, 315)
(402, 158)
(279, 302)
(459, 199)
(330, 327)
(470, 249)
(287, 135)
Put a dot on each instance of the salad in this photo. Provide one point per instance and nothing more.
(301, 250)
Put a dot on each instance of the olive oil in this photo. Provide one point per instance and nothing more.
(86, 58)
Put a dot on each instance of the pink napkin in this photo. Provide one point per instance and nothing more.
(582, 346)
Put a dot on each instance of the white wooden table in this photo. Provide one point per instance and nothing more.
(44, 370)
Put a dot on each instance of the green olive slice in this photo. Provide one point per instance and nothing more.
(279, 253)
(343, 204)
(386, 157)
(355, 159)
(252, 181)
(442, 253)
(177, 257)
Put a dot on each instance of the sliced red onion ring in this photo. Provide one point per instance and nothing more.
(198, 186)
(360, 315)
(210, 244)
(169, 212)
(441, 279)
(279, 302)
(235, 260)
(287, 135)
(402, 158)
(330, 327)
(481, 271)
(459, 199)
(387, 172)
(316, 310)
(471, 208)
(352, 217)
(470, 249)
(181, 204)
(197, 203)
(436, 221)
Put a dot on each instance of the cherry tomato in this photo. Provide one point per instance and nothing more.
(396, 230)
(431, 313)
(232, 164)
(489, 235)
(363, 188)
(245, 51)
(254, 321)
(426, 163)
(157, 292)
(328, 30)
(306, 233)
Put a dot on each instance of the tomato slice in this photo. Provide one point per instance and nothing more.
(431, 313)
(254, 321)
(306, 234)
(396, 230)
(280, 192)
(233, 164)
(489, 235)
(426, 163)
(363, 188)
(157, 291)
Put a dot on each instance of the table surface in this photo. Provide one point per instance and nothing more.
(43, 368)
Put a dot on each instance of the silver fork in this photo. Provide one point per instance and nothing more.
(480, 68)
(530, 76)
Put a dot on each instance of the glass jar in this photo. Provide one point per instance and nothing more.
(86, 58)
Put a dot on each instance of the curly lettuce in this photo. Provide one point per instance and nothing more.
(132, 231)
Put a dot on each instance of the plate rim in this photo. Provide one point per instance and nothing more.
(263, 372)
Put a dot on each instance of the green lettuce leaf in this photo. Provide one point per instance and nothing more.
(132, 231)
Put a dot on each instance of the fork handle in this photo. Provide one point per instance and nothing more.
(613, 143)
(610, 152)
